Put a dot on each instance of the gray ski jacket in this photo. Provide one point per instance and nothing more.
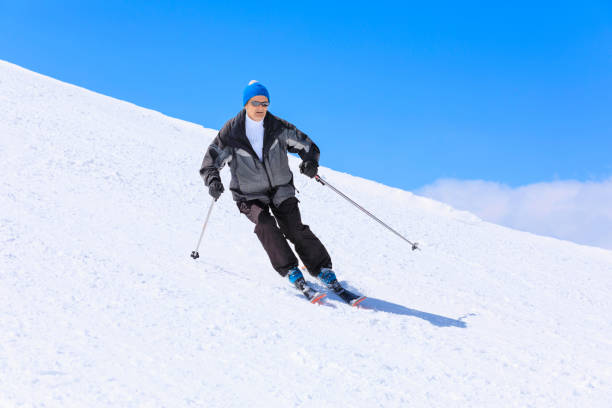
(267, 180)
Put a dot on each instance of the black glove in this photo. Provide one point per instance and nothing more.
(215, 188)
(309, 168)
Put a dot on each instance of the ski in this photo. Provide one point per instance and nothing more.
(300, 284)
(328, 278)
(348, 296)
(312, 295)
(317, 297)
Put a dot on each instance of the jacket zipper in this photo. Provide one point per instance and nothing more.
(265, 157)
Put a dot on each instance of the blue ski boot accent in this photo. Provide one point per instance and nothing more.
(327, 276)
(297, 279)
(294, 274)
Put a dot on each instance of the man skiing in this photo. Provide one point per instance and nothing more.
(255, 144)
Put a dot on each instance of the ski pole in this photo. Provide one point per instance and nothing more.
(195, 254)
(321, 180)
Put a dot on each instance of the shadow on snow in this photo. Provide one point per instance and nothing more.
(379, 305)
(388, 307)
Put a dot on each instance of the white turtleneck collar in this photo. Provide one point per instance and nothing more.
(255, 134)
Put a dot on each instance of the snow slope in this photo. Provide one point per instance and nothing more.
(100, 304)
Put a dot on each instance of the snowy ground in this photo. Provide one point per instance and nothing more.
(101, 305)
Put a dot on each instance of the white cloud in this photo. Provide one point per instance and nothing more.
(571, 210)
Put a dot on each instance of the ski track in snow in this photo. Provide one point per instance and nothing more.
(101, 204)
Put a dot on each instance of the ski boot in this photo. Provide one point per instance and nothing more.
(296, 277)
(328, 277)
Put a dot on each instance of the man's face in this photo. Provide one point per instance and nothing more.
(256, 113)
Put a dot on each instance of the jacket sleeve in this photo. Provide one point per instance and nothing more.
(298, 142)
(217, 155)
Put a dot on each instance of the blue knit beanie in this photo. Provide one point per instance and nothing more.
(254, 88)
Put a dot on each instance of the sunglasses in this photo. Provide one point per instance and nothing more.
(264, 104)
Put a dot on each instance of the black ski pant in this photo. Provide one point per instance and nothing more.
(274, 237)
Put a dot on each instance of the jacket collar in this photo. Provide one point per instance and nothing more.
(239, 133)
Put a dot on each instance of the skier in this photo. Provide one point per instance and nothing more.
(255, 144)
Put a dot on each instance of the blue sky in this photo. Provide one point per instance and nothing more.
(405, 93)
